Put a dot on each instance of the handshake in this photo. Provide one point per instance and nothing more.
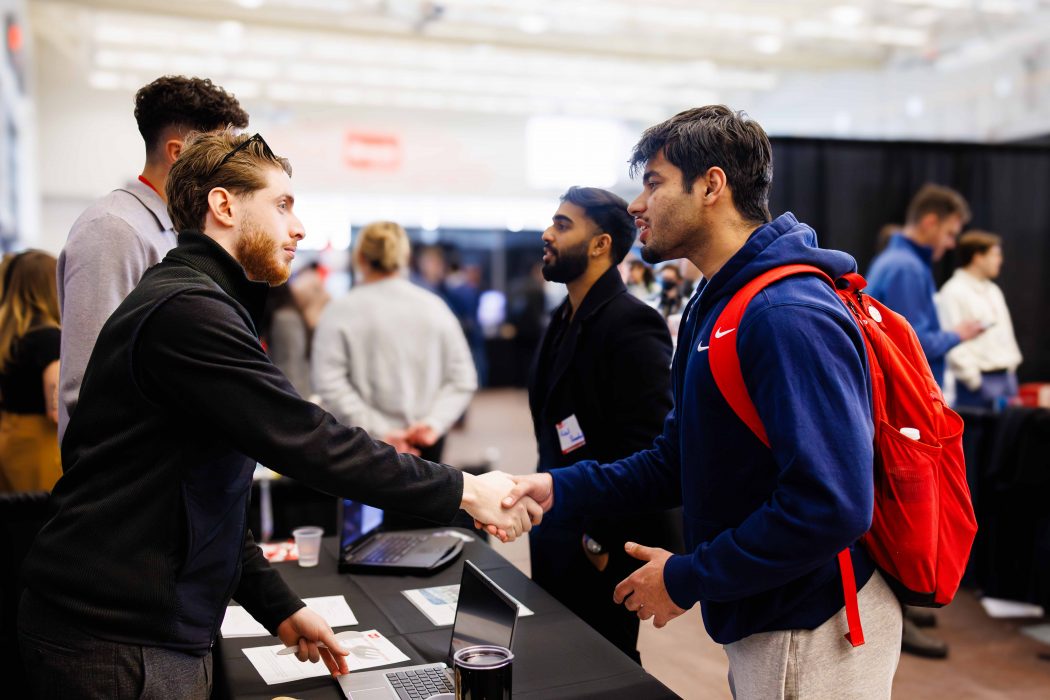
(507, 506)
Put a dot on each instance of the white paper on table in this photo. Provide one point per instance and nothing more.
(1040, 632)
(281, 669)
(238, 623)
(1000, 607)
(333, 608)
(455, 533)
(368, 650)
(439, 603)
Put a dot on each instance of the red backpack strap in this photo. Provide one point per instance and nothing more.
(855, 635)
(725, 368)
(722, 355)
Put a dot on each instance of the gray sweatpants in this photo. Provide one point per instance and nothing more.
(820, 663)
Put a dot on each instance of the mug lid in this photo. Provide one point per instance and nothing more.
(483, 656)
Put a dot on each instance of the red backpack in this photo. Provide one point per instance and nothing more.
(923, 524)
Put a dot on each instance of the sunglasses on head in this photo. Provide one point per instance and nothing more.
(244, 144)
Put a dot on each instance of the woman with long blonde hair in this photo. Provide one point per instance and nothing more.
(29, 342)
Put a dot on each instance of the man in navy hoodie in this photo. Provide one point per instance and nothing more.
(762, 525)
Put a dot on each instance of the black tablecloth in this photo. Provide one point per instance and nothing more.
(1008, 470)
(556, 654)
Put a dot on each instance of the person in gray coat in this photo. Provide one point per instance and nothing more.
(128, 231)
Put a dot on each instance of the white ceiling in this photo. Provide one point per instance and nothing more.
(639, 60)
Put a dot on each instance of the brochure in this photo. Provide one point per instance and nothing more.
(368, 649)
(333, 608)
(438, 603)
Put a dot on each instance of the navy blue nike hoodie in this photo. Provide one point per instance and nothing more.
(762, 525)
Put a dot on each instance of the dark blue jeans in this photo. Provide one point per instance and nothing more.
(995, 387)
(64, 661)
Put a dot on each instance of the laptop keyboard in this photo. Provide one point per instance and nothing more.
(420, 683)
(391, 548)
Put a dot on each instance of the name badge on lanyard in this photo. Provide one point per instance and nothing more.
(570, 435)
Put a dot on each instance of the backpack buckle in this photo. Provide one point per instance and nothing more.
(851, 281)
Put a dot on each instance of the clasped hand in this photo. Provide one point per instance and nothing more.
(413, 439)
(483, 499)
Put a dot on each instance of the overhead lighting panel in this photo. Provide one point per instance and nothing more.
(848, 15)
(296, 66)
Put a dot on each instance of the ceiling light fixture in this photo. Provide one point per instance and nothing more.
(768, 44)
(847, 15)
(533, 24)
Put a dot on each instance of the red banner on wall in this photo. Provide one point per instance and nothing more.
(372, 151)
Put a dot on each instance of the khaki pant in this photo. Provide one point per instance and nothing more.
(820, 663)
(29, 457)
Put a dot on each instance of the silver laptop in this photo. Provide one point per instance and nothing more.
(485, 614)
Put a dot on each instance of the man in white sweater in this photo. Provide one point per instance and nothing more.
(390, 356)
(984, 367)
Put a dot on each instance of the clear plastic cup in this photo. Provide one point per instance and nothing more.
(308, 542)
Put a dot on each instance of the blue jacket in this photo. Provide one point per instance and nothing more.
(762, 526)
(901, 278)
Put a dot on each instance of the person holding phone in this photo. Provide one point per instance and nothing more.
(985, 367)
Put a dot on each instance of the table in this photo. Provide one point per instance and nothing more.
(557, 655)
(1008, 472)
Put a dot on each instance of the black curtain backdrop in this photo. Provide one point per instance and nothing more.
(847, 190)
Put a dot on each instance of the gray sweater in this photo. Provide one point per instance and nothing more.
(390, 354)
(109, 248)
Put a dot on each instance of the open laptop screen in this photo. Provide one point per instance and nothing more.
(485, 613)
(357, 520)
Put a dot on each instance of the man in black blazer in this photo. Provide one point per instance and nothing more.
(599, 389)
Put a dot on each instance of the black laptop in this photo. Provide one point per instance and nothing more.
(365, 548)
(485, 614)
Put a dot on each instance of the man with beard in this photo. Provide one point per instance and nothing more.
(599, 389)
(127, 584)
(763, 525)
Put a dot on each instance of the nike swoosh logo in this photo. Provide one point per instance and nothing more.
(721, 333)
(701, 347)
